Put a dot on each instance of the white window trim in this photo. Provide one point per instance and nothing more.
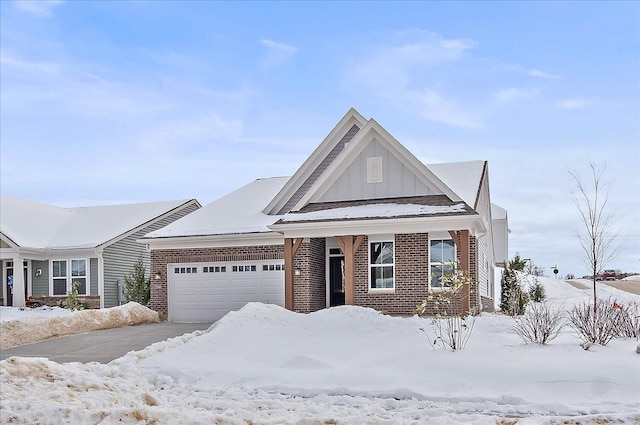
(455, 257)
(374, 239)
(68, 277)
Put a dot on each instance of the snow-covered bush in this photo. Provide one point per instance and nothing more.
(597, 325)
(540, 324)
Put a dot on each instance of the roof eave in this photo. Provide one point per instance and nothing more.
(418, 224)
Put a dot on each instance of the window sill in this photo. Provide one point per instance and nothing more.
(382, 290)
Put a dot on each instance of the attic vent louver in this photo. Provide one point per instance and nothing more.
(374, 170)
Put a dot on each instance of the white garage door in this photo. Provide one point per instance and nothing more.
(204, 292)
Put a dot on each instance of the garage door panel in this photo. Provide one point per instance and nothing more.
(207, 296)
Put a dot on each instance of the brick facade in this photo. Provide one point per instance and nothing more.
(411, 271)
(309, 287)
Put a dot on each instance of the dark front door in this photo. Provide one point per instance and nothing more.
(336, 281)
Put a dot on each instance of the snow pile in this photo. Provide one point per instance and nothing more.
(345, 365)
(20, 313)
(32, 328)
(635, 277)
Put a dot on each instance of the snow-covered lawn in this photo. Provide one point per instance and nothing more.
(345, 365)
(20, 326)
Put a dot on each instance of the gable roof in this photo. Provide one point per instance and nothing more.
(32, 225)
(334, 154)
(238, 212)
(359, 142)
(316, 163)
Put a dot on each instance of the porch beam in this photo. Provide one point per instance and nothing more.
(349, 293)
(349, 244)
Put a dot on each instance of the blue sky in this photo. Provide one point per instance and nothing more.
(117, 102)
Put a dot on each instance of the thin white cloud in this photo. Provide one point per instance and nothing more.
(41, 8)
(573, 103)
(282, 47)
(399, 73)
(277, 53)
(540, 74)
(515, 94)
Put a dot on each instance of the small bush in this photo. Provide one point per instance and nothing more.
(537, 292)
(630, 322)
(450, 328)
(137, 285)
(597, 325)
(539, 324)
(513, 298)
(72, 301)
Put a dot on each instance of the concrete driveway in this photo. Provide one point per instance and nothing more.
(103, 346)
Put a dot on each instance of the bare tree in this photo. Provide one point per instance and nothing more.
(596, 237)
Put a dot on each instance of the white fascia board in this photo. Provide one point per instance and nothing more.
(315, 159)
(380, 226)
(48, 254)
(214, 241)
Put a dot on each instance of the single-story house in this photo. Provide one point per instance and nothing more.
(361, 222)
(94, 246)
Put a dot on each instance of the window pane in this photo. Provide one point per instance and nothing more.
(82, 285)
(382, 277)
(376, 277)
(78, 268)
(436, 251)
(60, 269)
(436, 274)
(59, 286)
(382, 253)
(448, 251)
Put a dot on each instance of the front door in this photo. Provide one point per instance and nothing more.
(336, 281)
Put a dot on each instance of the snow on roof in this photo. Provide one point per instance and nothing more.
(387, 210)
(462, 177)
(238, 212)
(39, 226)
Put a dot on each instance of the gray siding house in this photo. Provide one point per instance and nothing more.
(94, 246)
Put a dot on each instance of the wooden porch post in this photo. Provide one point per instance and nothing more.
(462, 242)
(290, 249)
(349, 246)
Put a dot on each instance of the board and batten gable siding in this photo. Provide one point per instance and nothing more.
(120, 257)
(40, 284)
(397, 179)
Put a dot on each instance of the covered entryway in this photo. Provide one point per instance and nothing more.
(204, 292)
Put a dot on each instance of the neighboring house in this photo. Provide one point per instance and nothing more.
(361, 222)
(94, 246)
(500, 235)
